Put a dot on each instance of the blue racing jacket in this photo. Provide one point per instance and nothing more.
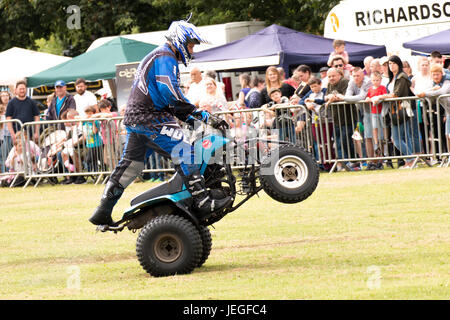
(156, 96)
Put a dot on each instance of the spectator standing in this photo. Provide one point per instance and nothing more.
(244, 80)
(93, 140)
(342, 115)
(436, 57)
(5, 136)
(22, 108)
(421, 82)
(282, 73)
(304, 74)
(212, 99)
(109, 133)
(338, 62)
(367, 62)
(84, 98)
(377, 122)
(399, 86)
(293, 81)
(356, 91)
(185, 87)
(441, 85)
(314, 101)
(48, 101)
(196, 87)
(384, 69)
(273, 80)
(375, 66)
(253, 97)
(212, 74)
(407, 69)
(62, 101)
(323, 76)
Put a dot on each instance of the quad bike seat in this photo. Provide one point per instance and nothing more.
(174, 185)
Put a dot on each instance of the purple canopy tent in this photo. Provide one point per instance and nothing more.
(436, 42)
(290, 46)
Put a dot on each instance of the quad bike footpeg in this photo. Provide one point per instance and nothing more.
(105, 227)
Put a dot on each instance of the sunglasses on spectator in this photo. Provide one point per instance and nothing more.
(338, 65)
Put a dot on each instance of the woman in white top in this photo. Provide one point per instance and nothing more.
(422, 80)
(213, 99)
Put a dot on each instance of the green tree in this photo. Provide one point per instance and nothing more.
(19, 24)
(24, 21)
(97, 19)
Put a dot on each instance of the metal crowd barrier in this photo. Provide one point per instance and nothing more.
(10, 174)
(335, 133)
(69, 148)
(438, 114)
(404, 130)
(278, 122)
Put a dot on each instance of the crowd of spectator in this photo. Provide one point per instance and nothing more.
(364, 127)
(75, 144)
(343, 106)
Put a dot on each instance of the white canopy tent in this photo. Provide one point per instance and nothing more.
(17, 64)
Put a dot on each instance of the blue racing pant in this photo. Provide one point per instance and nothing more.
(167, 139)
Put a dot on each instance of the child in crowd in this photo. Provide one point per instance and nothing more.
(313, 100)
(75, 138)
(377, 122)
(109, 132)
(15, 161)
(282, 119)
(339, 50)
(93, 140)
(269, 109)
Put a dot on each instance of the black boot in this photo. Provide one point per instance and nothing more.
(102, 215)
(204, 205)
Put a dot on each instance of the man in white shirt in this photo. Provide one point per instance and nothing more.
(83, 98)
(196, 88)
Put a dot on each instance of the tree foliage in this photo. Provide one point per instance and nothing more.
(24, 21)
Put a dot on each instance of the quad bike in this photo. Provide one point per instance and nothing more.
(171, 239)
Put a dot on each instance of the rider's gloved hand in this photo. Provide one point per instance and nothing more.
(201, 115)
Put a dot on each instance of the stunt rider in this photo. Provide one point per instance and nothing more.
(154, 102)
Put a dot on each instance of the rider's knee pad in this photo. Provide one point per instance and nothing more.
(127, 171)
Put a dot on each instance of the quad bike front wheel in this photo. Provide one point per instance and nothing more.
(289, 174)
(169, 245)
(205, 235)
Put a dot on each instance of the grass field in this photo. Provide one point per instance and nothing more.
(365, 235)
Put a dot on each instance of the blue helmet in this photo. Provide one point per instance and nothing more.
(181, 33)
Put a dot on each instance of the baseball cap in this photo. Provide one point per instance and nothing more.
(60, 83)
(274, 90)
(323, 69)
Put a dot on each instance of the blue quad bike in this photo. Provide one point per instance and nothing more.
(171, 239)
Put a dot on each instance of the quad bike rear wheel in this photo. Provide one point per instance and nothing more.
(289, 174)
(169, 245)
